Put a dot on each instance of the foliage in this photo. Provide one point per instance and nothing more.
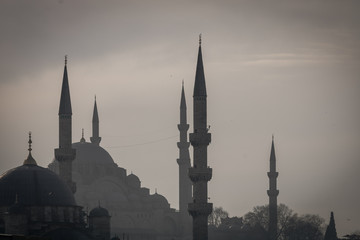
(305, 227)
(216, 215)
(290, 225)
(260, 215)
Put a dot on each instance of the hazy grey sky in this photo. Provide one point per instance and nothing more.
(289, 68)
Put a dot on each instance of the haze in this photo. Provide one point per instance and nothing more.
(288, 68)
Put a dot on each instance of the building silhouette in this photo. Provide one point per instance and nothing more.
(272, 193)
(34, 201)
(200, 173)
(134, 211)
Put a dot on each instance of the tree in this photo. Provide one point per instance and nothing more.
(260, 215)
(305, 227)
(216, 215)
(290, 225)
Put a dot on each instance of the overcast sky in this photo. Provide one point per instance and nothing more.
(288, 68)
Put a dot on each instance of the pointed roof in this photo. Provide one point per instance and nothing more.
(272, 154)
(30, 160)
(330, 233)
(200, 86)
(65, 102)
(95, 113)
(183, 101)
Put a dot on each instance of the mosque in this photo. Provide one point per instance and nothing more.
(53, 202)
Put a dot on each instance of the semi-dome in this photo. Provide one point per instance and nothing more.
(99, 212)
(34, 185)
(90, 153)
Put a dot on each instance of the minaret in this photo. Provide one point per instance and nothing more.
(272, 193)
(184, 165)
(331, 233)
(200, 173)
(95, 139)
(65, 154)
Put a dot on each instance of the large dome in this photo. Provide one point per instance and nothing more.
(34, 185)
(89, 153)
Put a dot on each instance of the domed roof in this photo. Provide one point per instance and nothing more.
(133, 180)
(89, 153)
(158, 200)
(99, 212)
(34, 185)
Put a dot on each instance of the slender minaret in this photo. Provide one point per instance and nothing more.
(272, 193)
(200, 173)
(184, 165)
(95, 139)
(65, 154)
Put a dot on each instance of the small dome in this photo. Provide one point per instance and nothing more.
(158, 201)
(99, 212)
(133, 181)
(34, 185)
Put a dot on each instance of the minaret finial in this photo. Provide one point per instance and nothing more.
(182, 83)
(30, 160)
(82, 136)
(200, 39)
(30, 142)
(272, 137)
(65, 60)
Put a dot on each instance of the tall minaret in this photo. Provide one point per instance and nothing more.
(272, 193)
(200, 173)
(95, 139)
(184, 165)
(65, 154)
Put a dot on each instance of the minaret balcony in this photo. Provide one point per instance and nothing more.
(273, 174)
(200, 174)
(183, 127)
(183, 145)
(200, 209)
(200, 138)
(65, 154)
(273, 193)
(183, 161)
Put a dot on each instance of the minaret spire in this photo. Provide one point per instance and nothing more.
(184, 165)
(95, 139)
(273, 193)
(200, 86)
(65, 154)
(200, 173)
(65, 102)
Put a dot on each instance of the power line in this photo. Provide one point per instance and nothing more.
(144, 143)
